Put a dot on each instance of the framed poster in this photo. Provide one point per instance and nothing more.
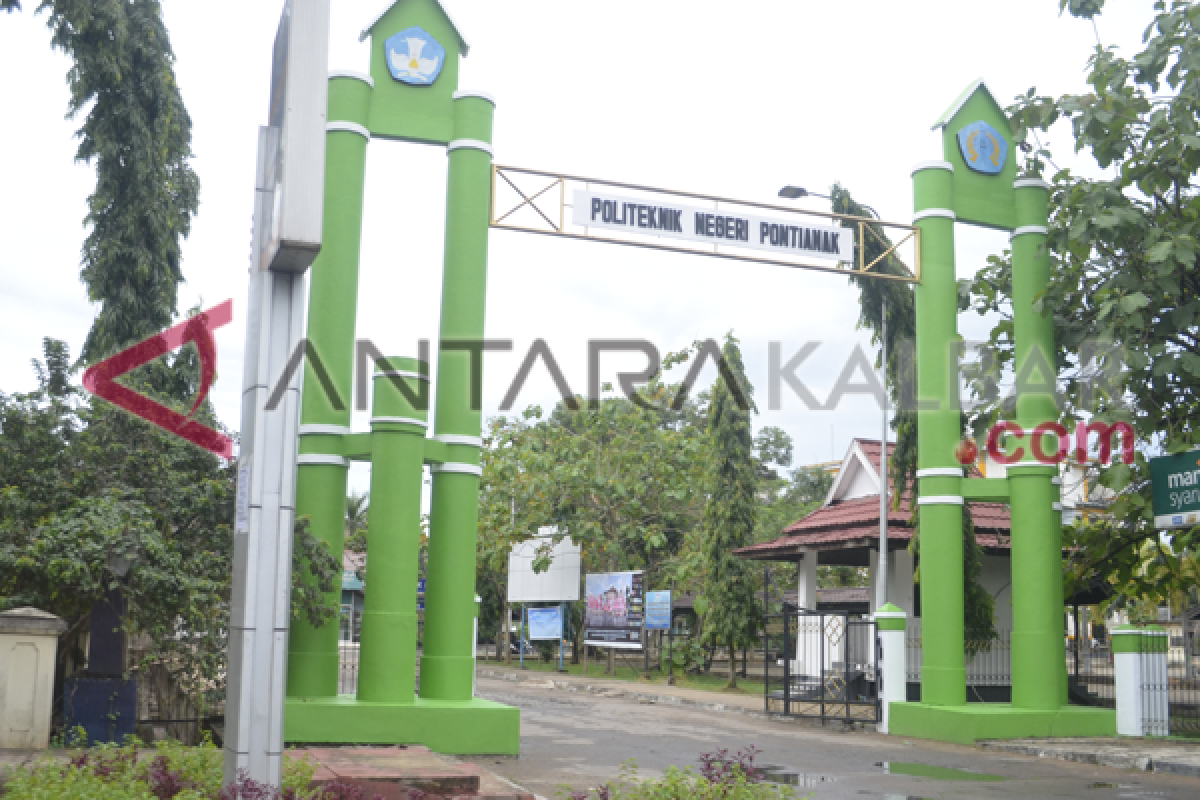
(658, 611)
(615, 611)
(545, 623)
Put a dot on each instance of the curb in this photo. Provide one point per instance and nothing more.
(1125, 758)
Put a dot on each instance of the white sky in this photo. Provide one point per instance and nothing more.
(729, 99)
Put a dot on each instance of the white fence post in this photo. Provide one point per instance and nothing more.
(890, 624)
(1128, 679)
(1155, 688)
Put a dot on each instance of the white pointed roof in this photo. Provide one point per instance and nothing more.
(457, 30)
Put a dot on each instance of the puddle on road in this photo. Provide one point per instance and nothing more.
(790, 776)
(935, 773)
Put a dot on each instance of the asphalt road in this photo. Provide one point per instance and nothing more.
(580, 740)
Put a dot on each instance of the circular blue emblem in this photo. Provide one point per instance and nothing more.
(413, 56)
(983, 148)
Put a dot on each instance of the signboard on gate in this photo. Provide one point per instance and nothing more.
(701, 225)
(1176, 490)
(614, 610)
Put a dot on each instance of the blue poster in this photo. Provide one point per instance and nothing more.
(545, 623)
(658, 611)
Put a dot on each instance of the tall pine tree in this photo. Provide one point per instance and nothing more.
(733, 616)
(138, 134)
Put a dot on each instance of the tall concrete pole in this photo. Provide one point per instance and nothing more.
(313, 659)
(447, 664)
(939, 475)
(1038, 650)
(881, 568)
(262, 544)
(287, 236)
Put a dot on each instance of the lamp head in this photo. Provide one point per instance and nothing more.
(793, 192)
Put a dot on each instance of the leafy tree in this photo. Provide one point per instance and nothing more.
(356, 521)
(84, 484)
(772, 448)
(874, 293)
(734, 615)
(138, 133)
(1124, 291)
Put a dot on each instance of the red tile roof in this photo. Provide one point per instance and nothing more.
(855, 523)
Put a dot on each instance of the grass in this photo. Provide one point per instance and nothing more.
(714, 682)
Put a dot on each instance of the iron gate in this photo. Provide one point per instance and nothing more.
(821, 665)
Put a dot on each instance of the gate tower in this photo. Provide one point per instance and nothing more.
(976, 183)
(410, 95)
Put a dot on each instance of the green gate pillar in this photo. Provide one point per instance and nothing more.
(324, 419)
(1038, 656)
(387, 657)
(447, 664)
(939, 429)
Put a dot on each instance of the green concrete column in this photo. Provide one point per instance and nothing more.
(447, 664)
(1038, 649)
(943, 670)
(321, 474)
(387, 659)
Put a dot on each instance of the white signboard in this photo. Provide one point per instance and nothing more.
(698, 225)
(558, 584)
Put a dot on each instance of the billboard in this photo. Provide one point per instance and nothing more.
(545, 623)
(658, 611)
(558, 584)
(1175, 482)
(614, 610)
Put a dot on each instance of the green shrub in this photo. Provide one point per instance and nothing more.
(722, 776)
(135, 772)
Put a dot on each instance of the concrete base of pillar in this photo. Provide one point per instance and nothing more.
(473, 727)
(968, 724)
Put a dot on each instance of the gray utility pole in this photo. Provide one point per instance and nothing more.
(882, 564)
(289, 198)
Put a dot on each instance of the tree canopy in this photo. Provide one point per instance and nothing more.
(1124, 291)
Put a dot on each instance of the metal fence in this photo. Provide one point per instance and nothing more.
(347, 667)
(988, 663)
(820, 665)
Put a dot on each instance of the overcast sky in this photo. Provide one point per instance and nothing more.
(727, 99)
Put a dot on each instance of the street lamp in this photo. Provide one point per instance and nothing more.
(796, 192)
(881, 565)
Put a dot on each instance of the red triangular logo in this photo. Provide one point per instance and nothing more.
(100, 379)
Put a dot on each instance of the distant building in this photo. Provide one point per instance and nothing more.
(844, 531)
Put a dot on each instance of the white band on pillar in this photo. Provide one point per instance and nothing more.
(946, 165)
(1037, 183)
(474, 93)
(349, 73)
(452, 466)
(940, 500)
(420, 423)
(454, 438)
(472, 144)
(1029, 229)
(1056, 506)
(934, 212)
(940, 472)
(335, 430)
(348, 127)
(321, 458)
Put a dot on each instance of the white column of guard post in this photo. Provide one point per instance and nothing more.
(1155, 688)
(1127, 678)
(890, 622)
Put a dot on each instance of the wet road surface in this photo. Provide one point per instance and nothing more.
(579, 739)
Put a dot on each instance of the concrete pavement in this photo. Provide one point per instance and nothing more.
(575, 737)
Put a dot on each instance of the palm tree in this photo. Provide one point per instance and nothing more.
(356, 521)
